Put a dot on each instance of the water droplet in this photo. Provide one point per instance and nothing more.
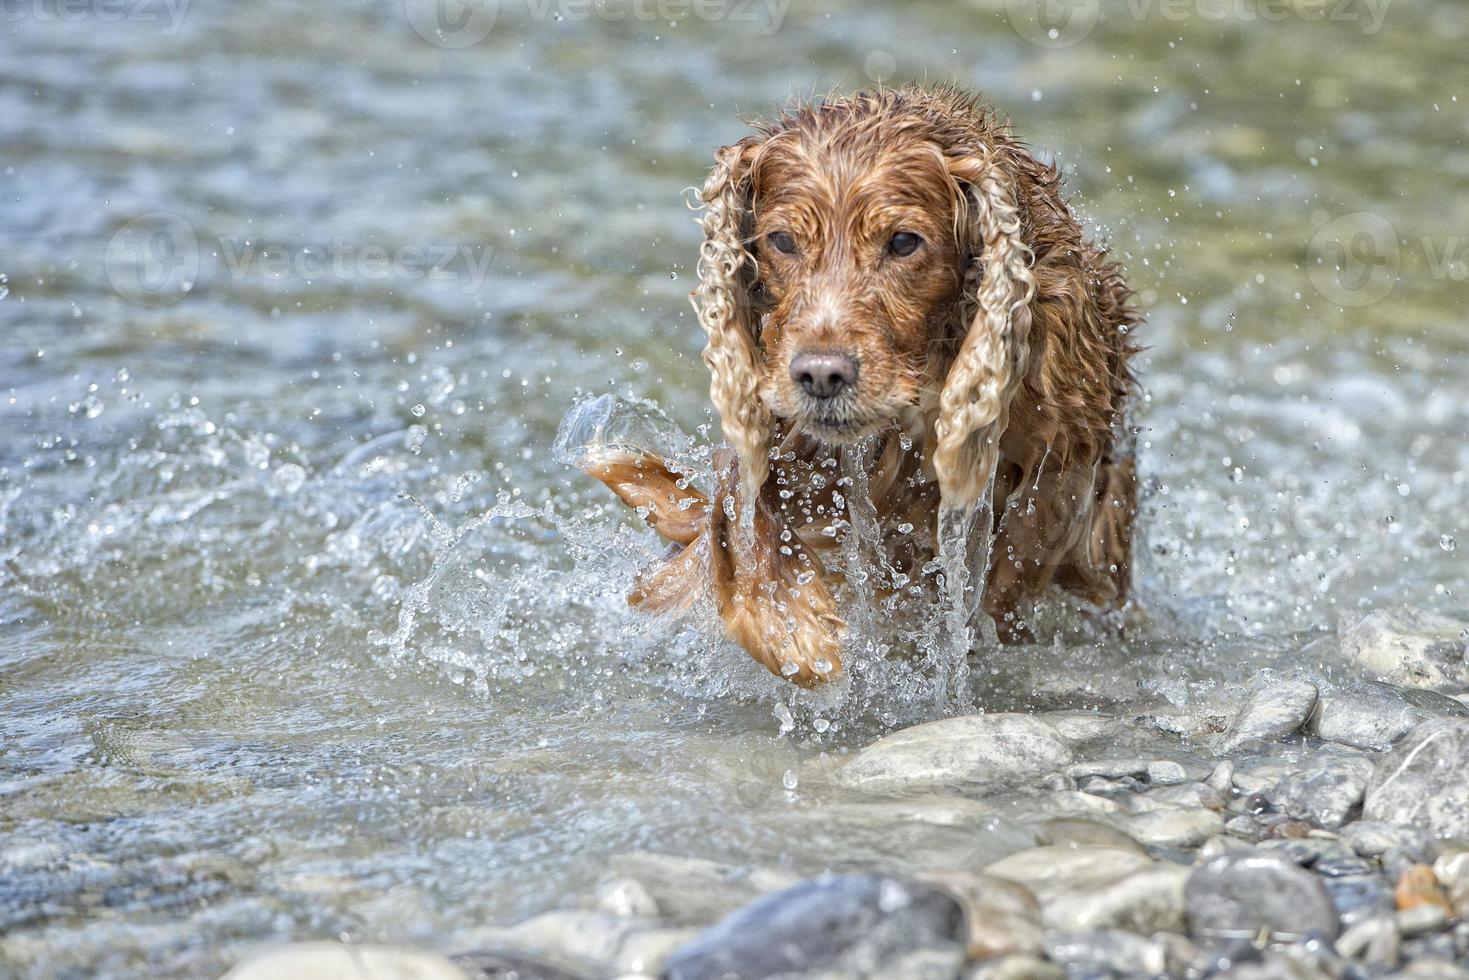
(789, 780)
(289, 477)
(789, 669)
(418, 411)
(821, 725)
(1447, 543)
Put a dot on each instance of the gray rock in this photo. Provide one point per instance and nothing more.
(965, 751)
(1221, 779)
(1070, 803)
(1373, 838)
(1421, 919)
(312, 961)
(695, 891)
(1375, 941)
(1146, 902)
(1188, 796)
(1374, 716)
(1052, 871)
(1325, 792)
(1234, 897)
(1424, 781)
(833, 926)
(1078, 727)
(1175, 827)
(1165, 772)
(1273, 711)
(1412, 648)
(1117, 952)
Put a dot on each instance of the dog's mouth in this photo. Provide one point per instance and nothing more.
(833, 425)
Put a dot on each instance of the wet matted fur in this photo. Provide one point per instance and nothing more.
(991, 374)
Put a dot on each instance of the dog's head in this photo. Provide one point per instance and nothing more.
(862, 264)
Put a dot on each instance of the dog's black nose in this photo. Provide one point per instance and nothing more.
(823, 375)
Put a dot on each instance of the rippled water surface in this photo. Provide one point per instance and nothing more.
(304, 632)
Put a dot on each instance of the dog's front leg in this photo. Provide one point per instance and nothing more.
(769, 587)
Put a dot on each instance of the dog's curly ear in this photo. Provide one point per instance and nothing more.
(727, 272)
(991, 361)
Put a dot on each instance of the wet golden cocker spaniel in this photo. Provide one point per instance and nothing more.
(901, 309)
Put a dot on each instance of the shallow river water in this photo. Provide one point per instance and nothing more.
(304, 632)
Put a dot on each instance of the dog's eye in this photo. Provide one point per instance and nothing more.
(904, 243)
(782, 241)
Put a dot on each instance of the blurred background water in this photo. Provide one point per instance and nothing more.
(294, 295)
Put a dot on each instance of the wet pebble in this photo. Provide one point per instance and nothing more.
(833, 926)
(1369, 715)
(1411, 648)
(1234, 897)
(1175, 827)
(1424, 781)
(1192, 796)
(965, 751)
(1221, 778)
(1146, 902)
(1326, 792)
(1165, 772)
(1374, 838)
(1375, 941)
(1052, 871)
(1272, 711)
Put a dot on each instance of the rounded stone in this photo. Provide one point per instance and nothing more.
(1235, 896)
(837, 925)
(1424, 781)
(969, 750)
